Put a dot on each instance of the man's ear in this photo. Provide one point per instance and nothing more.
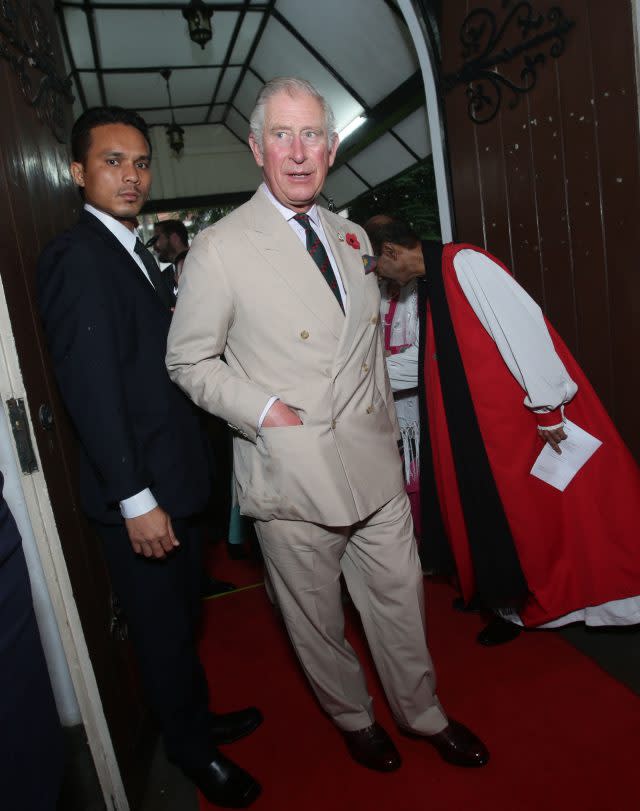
(77, 173)
(255, 148)
(333, 148)
(389, 250)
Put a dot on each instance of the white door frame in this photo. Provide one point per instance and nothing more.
(436, 126)
(53, 570)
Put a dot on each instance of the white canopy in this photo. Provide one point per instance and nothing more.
(358, 53)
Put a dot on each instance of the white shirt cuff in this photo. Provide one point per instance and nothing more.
(270, 402)
(134, 506)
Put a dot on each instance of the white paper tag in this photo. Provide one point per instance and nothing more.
(558, 469)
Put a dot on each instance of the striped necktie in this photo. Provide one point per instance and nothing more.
(155, 276)
(319, 255)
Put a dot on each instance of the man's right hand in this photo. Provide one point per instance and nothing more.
(151, 534)
(280, 416)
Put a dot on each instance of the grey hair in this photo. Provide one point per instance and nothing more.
(290, 85)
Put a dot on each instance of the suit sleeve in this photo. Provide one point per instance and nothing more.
(198, 336)
(79, 317)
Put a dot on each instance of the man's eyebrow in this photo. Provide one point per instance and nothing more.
(114, 153)
(287, 128)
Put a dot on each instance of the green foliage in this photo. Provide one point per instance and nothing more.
(410, 196)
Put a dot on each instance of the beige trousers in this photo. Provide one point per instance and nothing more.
(379, 560)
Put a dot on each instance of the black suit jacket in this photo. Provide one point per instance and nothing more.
(107, 333)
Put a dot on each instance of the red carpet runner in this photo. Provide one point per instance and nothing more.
(564, 736)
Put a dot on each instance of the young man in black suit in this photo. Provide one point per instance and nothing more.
(143, 461)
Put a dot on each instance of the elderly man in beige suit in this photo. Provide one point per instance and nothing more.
(279, 287)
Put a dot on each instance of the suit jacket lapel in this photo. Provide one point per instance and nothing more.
(353, 278)
(284, 252)
(87, 219)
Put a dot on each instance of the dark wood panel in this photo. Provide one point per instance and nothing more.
(465, 179)
(495, 210)
(617, 136)
(583, 199)
(516, 125)
(549, 180)
(555, 189)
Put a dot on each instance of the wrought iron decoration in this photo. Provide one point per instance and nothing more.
(483, 50)
(26, 44)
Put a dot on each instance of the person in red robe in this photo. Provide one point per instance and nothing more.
(496, 382)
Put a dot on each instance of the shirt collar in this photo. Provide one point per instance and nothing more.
(287, 213)
(124, 236)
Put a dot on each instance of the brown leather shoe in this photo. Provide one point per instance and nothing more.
(373, 748)
(458, 745)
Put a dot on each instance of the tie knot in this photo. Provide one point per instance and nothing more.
(139, 247)
(304, 221)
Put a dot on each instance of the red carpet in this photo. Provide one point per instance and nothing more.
(564, 736)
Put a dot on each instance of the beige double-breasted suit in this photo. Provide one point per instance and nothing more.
(328, 495)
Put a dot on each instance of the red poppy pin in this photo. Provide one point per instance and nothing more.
(352, 240)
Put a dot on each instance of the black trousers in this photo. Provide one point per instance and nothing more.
(161, 601)
(31, 744)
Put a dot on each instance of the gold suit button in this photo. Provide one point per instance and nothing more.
(365, 367)
(304, 334)
(333, 423)
(374, 319)
(369, 409)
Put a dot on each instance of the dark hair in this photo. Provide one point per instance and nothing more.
(98, 117)
(381, 229)
(169, 227)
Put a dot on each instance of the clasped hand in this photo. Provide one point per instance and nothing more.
(151, 534)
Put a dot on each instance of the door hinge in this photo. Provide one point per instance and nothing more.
(22, 435)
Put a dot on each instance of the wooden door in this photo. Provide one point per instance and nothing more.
(544, 168)
(37, 200)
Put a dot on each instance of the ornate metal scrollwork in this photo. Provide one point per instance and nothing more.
(26, 44)
(483, 49)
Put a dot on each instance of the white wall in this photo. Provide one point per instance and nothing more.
(213, 161)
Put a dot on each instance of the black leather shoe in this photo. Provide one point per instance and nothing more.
(228, 727)
(498, 631)
(223, 783)
(373, 748)
(458, 745)
(210, 587)
(472, 607)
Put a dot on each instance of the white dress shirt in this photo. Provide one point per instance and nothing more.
(299, 231)
(144, 501)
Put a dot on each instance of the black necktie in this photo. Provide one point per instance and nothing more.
(319, 255)
(155, 276)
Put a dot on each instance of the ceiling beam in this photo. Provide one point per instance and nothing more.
(359, 176)
(157, 108)
(227, 57)
(203, 201)
(405, 145)
(254, 46)
(318, 56)
(88, 10)
(157, 6)
(71, 60)
(158, 69)
(405, 99)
